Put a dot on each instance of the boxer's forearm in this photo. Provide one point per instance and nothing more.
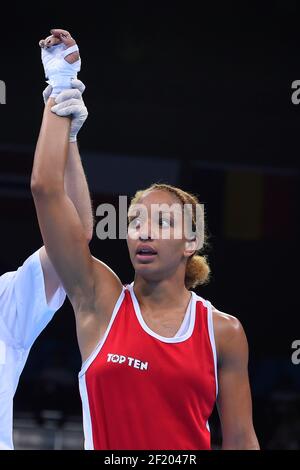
(77, 189)
(51, 152)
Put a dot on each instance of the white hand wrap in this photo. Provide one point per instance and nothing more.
(57, 70)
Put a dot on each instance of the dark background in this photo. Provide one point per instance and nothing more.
(210, 87)
(168, 78)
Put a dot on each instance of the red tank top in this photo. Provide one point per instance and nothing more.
(140, 390)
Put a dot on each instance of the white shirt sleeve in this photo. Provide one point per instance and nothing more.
(24, 311)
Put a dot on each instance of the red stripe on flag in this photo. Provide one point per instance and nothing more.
(280, 207)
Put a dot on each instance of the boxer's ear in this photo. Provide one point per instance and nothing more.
(190, 246)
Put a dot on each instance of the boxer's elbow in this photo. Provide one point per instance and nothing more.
(42, 185)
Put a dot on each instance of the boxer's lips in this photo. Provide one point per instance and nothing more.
(145, 253)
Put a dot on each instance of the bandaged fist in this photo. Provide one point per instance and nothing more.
(70, 103)
(61, 60)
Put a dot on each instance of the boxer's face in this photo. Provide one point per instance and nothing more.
(156, 239)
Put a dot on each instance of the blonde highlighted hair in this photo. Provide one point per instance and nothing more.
(197, 267)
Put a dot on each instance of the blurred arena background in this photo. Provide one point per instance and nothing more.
(199, 99)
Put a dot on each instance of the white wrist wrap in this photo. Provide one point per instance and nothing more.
(57, 70)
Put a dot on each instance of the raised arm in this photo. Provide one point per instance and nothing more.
(61, 228)
(91, 286)
(77, 189)
(234, 397)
